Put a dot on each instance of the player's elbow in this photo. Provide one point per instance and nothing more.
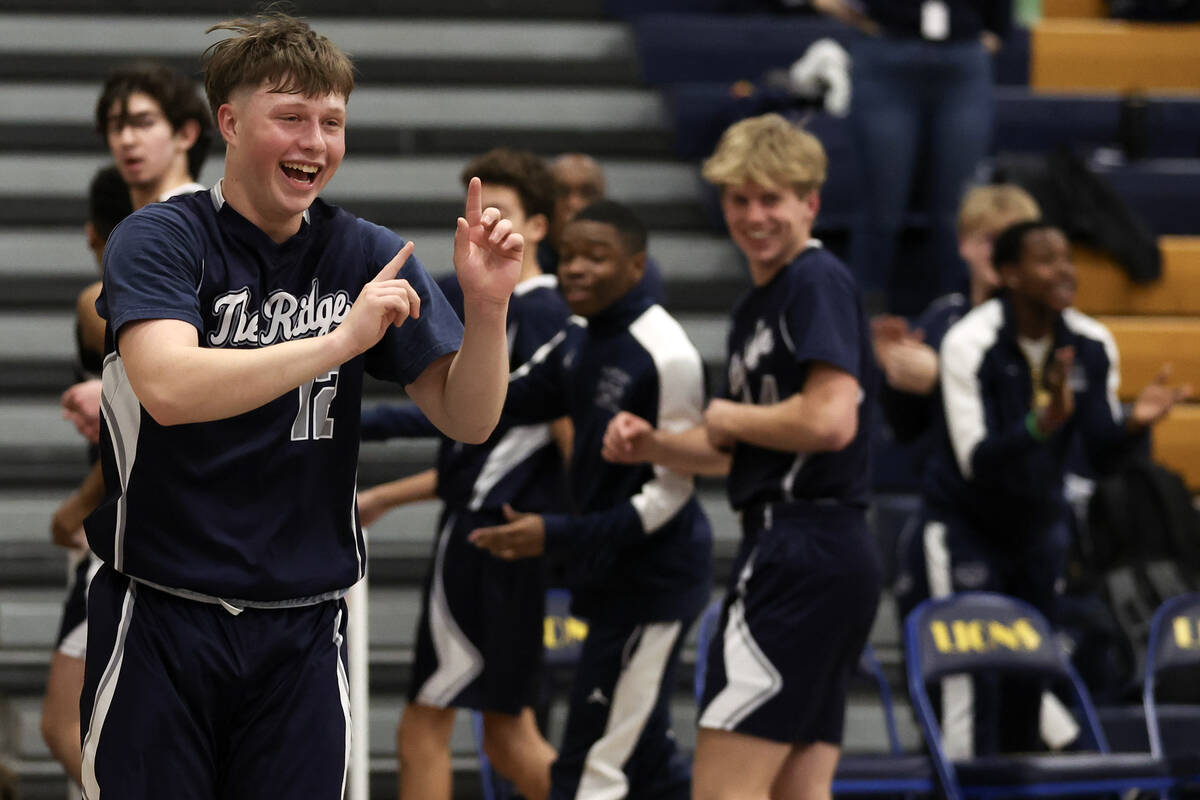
(164, 406)
(473, 432)
(835, 430)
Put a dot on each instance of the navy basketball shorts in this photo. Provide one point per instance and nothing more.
(184, 699)
(72, 631)
(618, 741)
(479, 636)
(803, 595)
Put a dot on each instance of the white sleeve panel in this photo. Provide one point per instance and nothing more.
(680, 407)
(962, 353)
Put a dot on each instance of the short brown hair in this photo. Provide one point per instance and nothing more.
(521, 171)
(277, 48)
(990, 209)
(769, 151)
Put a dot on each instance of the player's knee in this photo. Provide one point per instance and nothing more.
(502, 741)
(423, 734)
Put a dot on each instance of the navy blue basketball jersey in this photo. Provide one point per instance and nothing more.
(810, 311)
(260, 507)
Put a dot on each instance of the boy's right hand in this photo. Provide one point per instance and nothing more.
(386, 300)
(627, 440)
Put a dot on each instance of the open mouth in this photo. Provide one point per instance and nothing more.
(301, 173)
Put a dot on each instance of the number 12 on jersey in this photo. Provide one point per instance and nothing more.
(315, 398)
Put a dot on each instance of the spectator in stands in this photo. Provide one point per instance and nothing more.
(1023, 375)
(922, 84)
(796, 416)
(108, 204)
(908, 357)
(472, 602)
(578, 181)
(245, 320)
(636, 553)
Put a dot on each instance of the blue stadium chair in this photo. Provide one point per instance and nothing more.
(1173, 647)
(563, 637)
(892, 773)
(974, 632)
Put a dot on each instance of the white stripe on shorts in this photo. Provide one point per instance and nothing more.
(343, 693)
(104, 697)
(459, 661)
(750, 677)
(633, 699)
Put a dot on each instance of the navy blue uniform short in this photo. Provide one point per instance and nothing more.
(72, 630)
(187, 699)
(803, 595)
(479, 638)
(618, 742)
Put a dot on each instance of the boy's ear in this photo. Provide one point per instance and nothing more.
(536, 228)
(227, 122)
(188, 133)
(638, 266)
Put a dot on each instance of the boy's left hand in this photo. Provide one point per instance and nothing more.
(1158, 398)
(524, 536)
(487, 254)
(718, 422)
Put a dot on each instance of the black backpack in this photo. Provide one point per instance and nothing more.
(1141, 546)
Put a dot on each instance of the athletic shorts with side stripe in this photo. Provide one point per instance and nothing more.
(72, 630)
(479, 637)
(802, 597)
(619, 742)
(183, 699)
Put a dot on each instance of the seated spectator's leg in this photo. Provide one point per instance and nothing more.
(912, 584)
(886, 124)
(956, 560)
(618, 741)
(960, 136)
(1038, 581)
(423, 751)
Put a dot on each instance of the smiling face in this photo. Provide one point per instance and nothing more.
(1045, 274)
(770, 225)
(282, 149)
(595, 267)
(147, 151)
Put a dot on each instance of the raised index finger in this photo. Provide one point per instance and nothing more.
(392, 268)
(474, 202)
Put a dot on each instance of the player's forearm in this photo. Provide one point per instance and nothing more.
(412, 489)
(799, 424)
(180, 383)
(688, 452)
(477, 379)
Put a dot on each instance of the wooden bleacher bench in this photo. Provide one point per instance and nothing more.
(1146, 343)
(1074, 9)
(1088, 55)
(1104, 287)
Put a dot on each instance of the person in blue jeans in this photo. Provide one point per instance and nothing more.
(922, 114)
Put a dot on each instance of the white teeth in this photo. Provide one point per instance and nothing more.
(302, 167)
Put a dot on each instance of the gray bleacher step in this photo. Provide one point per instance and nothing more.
(77, 47)
(372, 9)
(523, 108)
